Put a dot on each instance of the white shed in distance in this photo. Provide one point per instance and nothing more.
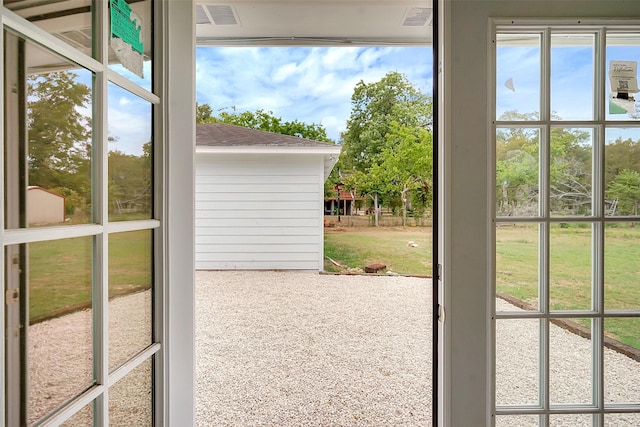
(259, 199)
(44, 206)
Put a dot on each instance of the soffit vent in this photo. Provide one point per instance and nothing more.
(417, 17)
(215, 15)
(77, 38)
(201, 15)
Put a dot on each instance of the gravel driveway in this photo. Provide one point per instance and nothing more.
(293, 349)
(303, 349)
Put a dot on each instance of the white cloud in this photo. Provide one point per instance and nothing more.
(285, 71)
(313, 85)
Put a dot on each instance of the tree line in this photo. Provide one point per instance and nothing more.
(570, 174)
(386, 156)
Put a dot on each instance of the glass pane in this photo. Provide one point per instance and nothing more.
(82, 418)
(622, 172)
(622, 420)
(622, 51)
(47, 138)
(517, 421)
(570, 361)
(517, 361)
(59, 339)
(70, 21)
(518, 76)
(621, 266)
(131, 398)
(130, 195)
(130, 280)
(517, 264)
(622, 360)
(572, 68)
(130, 43)
(517, 171)
(571, 171)
(570, 266)
(566, 420)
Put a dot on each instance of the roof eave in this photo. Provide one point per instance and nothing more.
(329, 149)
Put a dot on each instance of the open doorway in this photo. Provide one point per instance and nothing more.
(324, 345)
(276, 316)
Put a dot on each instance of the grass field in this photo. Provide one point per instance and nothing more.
(356, 247)
(60, 272)
(570, 271)
(517, 264)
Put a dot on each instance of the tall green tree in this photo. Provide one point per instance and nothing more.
(59, 133)
(374, 106)
(387, 145)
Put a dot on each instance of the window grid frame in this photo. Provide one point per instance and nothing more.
(544, 220)
(100, 228)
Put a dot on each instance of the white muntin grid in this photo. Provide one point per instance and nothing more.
(97, 396)
(595, 408)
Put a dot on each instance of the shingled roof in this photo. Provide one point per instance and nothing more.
(226, 135)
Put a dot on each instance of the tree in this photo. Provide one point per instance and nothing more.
(59, 150)
(387, 145)
(518, 169)
(619, 155)
(263, 120)
(203, 113)
(570, 171)
(517, 152)
(406, 165)
(625, 188)
(374, 107)
(130, 181)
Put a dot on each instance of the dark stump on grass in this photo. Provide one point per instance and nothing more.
(374, 268)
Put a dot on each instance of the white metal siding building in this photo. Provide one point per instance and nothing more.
(259, 199)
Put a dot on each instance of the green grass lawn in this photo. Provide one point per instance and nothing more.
(570, 271)
(60, 272)
(355, 247)
(517, 264)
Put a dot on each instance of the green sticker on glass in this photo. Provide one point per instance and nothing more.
(126, 25)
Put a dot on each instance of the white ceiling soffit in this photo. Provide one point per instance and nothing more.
(313, 22)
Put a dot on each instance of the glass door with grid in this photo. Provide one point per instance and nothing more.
(80, 214)
(566, 169)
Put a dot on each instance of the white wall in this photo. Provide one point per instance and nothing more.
(465, 237)
(259, 211)
(177, 82)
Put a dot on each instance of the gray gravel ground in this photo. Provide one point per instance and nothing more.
(294, 349)
(302, 349)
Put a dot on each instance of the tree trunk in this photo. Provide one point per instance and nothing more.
(375, 208)
(353, 202)
(403, 195)
(505, 198)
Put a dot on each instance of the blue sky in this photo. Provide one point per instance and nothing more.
(312, 85)
(315, 84)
